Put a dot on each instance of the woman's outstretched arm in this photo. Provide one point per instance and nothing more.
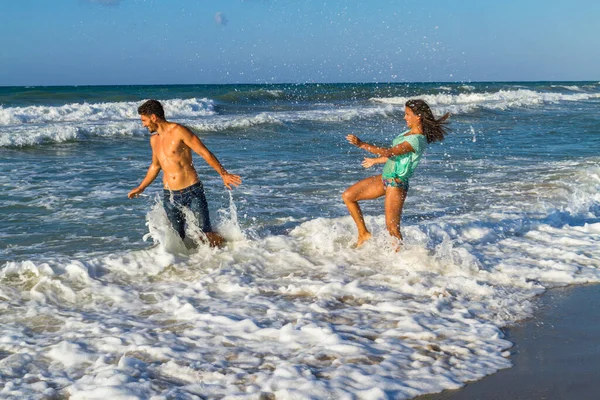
(402, 148)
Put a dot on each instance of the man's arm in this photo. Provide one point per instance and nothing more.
(152, 173)
(194, 143)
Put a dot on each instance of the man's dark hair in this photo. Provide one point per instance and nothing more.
(152, 107)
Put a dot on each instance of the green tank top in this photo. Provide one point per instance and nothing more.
(404, 165)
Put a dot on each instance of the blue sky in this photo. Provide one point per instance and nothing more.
(81, 42)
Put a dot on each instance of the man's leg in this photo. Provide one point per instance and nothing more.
(199, 206)
(367, 189)
(174, 215)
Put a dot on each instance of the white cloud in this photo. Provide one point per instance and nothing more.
(221, 19)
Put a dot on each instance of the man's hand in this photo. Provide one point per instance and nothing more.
(135, 192)
(354, 140)
(231, 179)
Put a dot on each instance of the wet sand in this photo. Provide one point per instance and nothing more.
(556, 353)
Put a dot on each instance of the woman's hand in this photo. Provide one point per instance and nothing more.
(354, 140)
(369, 162)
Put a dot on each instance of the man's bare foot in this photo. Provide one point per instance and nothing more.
(215, 240)
(361, 240)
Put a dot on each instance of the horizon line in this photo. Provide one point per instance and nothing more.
(300, 83)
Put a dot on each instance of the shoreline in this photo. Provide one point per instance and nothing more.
(556, 352)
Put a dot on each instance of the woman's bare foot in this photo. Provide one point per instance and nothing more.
(362, 239)
(397, 244)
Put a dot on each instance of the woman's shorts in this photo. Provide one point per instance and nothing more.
(395, 182)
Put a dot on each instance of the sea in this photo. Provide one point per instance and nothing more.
(100, 299)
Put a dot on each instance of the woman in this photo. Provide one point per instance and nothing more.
(400, 163)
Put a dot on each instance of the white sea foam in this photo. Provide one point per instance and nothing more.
(33, 125)
(29, 135)
(275, 93)
(222, 123)
(27, 126)
(297, 315)
(85, 112)
(568, 87)
(501, 100)
(188, 113)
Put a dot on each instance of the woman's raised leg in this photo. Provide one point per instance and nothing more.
(367, 189)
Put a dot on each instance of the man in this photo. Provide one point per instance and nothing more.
(172, 146)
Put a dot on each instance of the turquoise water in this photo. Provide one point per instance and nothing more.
(505, 207)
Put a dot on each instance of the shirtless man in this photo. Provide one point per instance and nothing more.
(172, 146)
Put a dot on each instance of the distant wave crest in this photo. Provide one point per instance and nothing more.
(27, 135)
(501, 100)
(86, 112)
(252, 95)
(268, 118)
(34, 125)
(58, 132)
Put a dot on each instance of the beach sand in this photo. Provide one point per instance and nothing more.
(556, 353)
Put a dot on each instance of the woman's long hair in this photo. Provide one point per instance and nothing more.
(433, 129)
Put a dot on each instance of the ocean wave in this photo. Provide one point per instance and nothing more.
(583, 195)
(28, 135)
(572, 88)
(252, 95)
(35, 134)
(501, 100)
(309, 93)
(86, 112)
(222, 123)
(33, 125)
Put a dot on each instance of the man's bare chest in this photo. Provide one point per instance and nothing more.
(171, 149)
